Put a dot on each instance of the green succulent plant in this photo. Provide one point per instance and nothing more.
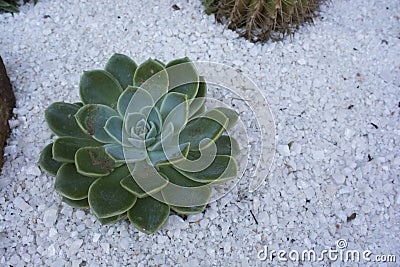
(260, 20)
(140, 144)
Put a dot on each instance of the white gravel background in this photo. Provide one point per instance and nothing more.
(327, 86)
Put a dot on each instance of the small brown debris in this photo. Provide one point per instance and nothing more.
(375, 126)
(175, 7)
(254, 217)
(351, 217)
(337, 226)
(350, 107)
(370, 158)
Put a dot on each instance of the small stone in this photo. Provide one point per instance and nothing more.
(50, 217)
(283, 150)
(21, 204)
(33, 170)
(96, 237)
(302, 61)
(339, 178)
(195, 217)
(176, 222)
(295, 149)
(75, 246)
(331, 189)
(105, 247)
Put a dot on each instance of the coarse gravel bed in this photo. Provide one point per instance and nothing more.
(334, 91)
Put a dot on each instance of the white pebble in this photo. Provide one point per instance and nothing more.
(283, 150)
(21, 204)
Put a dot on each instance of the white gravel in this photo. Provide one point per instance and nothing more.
(327, 88)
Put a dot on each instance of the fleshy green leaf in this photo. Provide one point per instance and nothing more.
(114, 128)
(46, 161)
(183, 192)
(64, 148)
(148, 215)
(183, 77)
(147, 178)
(198, 102)
(80, 204)
(175, 109)
(209, 125)
(152, 77)
(99, 87)
(93, 162)
(230, 114)
(168, 154)
(122, 68)
(188, 210)
(133, 100)
(92, 118)
(116, 152)
(71, 184)
(60, 118)
(130, 184)
(226, 145)
(108, 198)
(222, 168)
(112, 219)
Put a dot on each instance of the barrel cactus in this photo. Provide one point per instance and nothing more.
(260, 20)
(140, 144)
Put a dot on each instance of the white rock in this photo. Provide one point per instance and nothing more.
(195, 217)
(339, 178)
(33, 170)
(75, 246)
(50, 217)
(106, 247)
(331, 189)
(21, 204)
(176, 222)
(283, 150)
(96, 237)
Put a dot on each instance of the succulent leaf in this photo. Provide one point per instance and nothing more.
(169, 154)
(183, 192)
(226, 145)
(183, 77)
(46, 161)
(125, 98)
(99, 87)
(130, 184)
(135, 101)
(188, 210)
(210, 125)
(81, 204)
(112, 219)
(231, 115)
(92, 118)
(64, 148)
(152, 77)
(222, 168)
(147, 177)
(148, 215)
(115, 152)
(72, 184)
(93, 162)
(122, 68)
(60, 118)
(108, 198)
(175, 109)
(113, 127)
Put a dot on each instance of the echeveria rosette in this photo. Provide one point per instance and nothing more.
(140, 144)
